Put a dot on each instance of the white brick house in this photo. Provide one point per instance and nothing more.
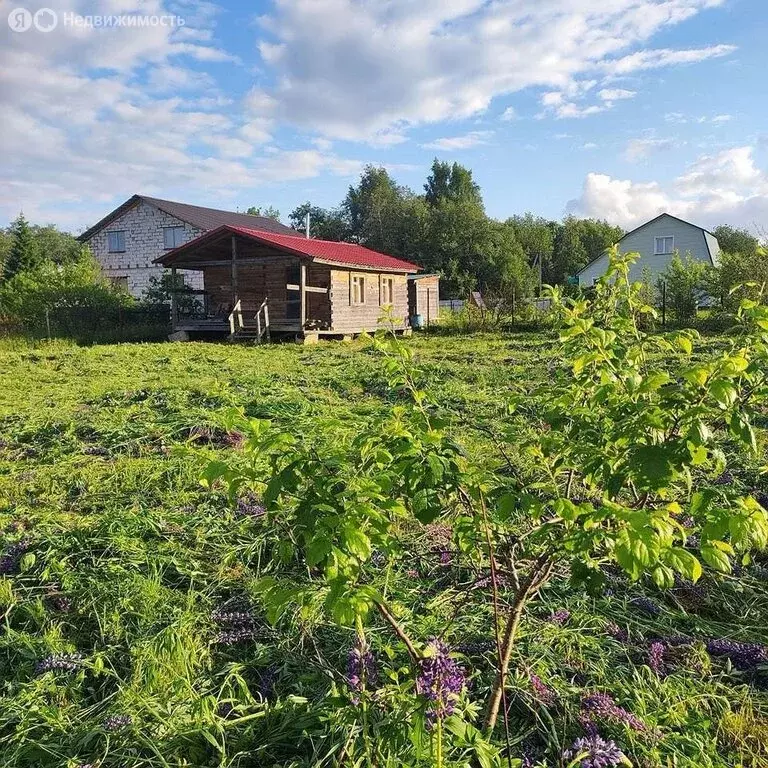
(130, 238)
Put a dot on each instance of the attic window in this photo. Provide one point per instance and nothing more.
(664, 245)
(173, 237)
(116, 242)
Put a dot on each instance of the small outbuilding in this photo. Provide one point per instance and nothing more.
(424, 298)
(257, 284)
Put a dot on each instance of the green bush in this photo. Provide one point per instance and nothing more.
(686, 280)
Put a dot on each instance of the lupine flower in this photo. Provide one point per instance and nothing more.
(560, 617)
(10, 559)
(476, 647)
(603, 707)
(645, 605)
(234, 440)
(362, 671)
(95, 450)
(267, 681)
(542, 692)
(61, 662)
(616, 632)
(656, 658)
(225, 709)
(745, 656)
(115, 723)
(440, 680)
(726, 478)
(762, 500)
(599, 752)
(234, 636)
(693, 595)
(250, 506)
(237, 625)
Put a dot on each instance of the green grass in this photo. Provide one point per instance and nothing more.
(102, 449)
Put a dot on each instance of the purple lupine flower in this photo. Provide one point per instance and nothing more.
(726, 478)
(656, 658)
(559, 617)
(744, 656)
(251, 507)
(10, 559)
(267, 681)
(362, 671)
(60, 662)
(440, 680)
(542, 692)
(598, 753)
(234, 440)
(645, 605)
(234, 636)
(603, 707)
(616, 632)
(476, 647)
(237, 623)
(762, 500)
(115, 723)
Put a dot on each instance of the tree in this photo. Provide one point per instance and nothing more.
(324, 223)
(734, 240)
(451, 182)
(269, 212)
(597, 236)
(23, 255)
(568, 254)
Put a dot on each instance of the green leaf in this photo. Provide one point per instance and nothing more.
(319, 548)
(682, 561)
(716, 559)
(725, 392)
(741, 428)
(357, 542)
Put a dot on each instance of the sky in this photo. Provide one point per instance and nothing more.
(616, 109)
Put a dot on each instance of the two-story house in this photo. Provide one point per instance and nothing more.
(657, 241)
(127, 241)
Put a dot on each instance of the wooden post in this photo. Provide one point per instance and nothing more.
(174, 301)
(233, 274)
(266, 319)
(303, 295)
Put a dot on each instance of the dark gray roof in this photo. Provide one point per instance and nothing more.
(202, 218)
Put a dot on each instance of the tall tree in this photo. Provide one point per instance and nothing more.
(324, 223)
(569, 254)
(23, 254)
(269, 212)
(734, 240)
(596, 236)
(451, 182)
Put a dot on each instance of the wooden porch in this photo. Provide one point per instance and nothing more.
(252, 291)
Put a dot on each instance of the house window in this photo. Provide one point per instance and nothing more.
(387, 291)
(664, 245)
(116, 242)
(173, 237)
(119, 282)
(358, 289)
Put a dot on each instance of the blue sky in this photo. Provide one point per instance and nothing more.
(610, 108)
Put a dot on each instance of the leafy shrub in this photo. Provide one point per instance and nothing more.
(621, 473)
(685, 280)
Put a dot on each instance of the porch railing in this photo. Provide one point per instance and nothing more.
(258, 329)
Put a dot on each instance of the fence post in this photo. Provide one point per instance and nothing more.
(663, 303)
(48, 322)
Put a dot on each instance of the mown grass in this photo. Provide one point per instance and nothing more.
(128, 557)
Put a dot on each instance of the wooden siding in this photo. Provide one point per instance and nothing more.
(351, 318)
(419, 292)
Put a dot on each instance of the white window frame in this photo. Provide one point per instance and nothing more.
(120, 235)
(387, 291)
(663, 251)
(357, 290)
(177, 237)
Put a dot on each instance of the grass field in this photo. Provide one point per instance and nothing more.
(112, 550)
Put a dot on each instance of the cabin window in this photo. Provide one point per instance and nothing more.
(358, 289)
(116, 242)
(173, 237)
(387, 291)
(664, 245)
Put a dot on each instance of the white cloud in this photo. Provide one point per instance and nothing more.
(642, 148)
(453, 143)
(726, 187)
(616, 94)
(722, 118)
(509, 114)
(589, 145)
(405, 63)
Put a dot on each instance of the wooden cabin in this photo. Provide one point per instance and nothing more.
(259, 284)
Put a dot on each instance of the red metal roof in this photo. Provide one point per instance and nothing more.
(346, 254)
(330, 250)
